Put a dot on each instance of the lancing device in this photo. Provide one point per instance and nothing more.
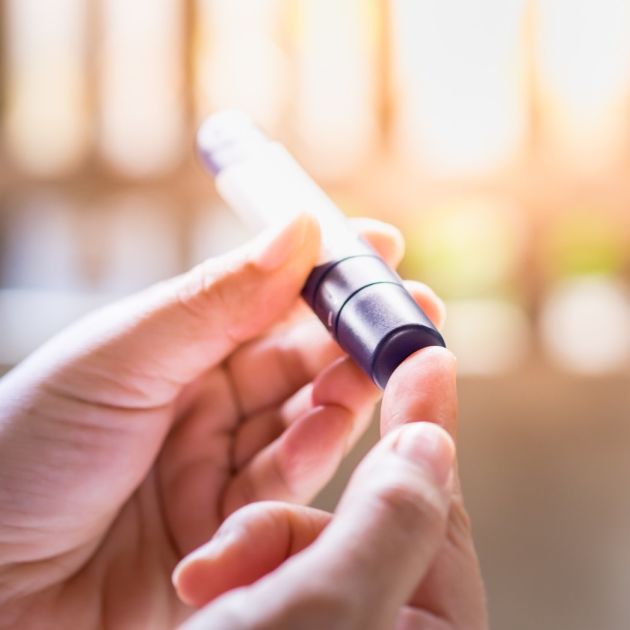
(359, 299)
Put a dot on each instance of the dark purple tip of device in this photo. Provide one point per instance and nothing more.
(370, 313)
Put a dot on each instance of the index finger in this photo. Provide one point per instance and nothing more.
(423, 388)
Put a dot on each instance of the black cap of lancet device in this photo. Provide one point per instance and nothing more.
(370, 313)
(224, 138)
(380, 326)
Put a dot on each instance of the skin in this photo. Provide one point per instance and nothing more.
(129, 439)
(397, 553)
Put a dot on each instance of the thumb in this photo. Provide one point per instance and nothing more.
(233, 298)
(171, 333)
(391, 520)
(365, 564)
(423, 387)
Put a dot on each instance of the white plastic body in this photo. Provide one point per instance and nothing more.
(268, 187)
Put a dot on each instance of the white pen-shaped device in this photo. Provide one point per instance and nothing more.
(361, 301)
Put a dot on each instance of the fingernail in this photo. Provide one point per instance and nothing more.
(429, 446)
(277, 246)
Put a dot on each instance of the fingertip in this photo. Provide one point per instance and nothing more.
(213, 568)
(311, 230)
(309, 242)
(192, 572)
(438, 357)
(423, 387)
(429, 301)
(296, 239)
(251, 543)
(184, 580)
(385, 238)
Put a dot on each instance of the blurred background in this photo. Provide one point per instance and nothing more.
(494, 133)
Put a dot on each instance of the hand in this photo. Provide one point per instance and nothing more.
(126, 441)
(397, 553)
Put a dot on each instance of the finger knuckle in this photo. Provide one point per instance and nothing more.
(460, 523)
(410, 504)
(323, 607)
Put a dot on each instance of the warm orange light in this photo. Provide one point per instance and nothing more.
(583, 61)
(238, 63)
(141, 76)
(46, 110)
(336, 95)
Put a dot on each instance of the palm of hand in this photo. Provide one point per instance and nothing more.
(178, 469)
